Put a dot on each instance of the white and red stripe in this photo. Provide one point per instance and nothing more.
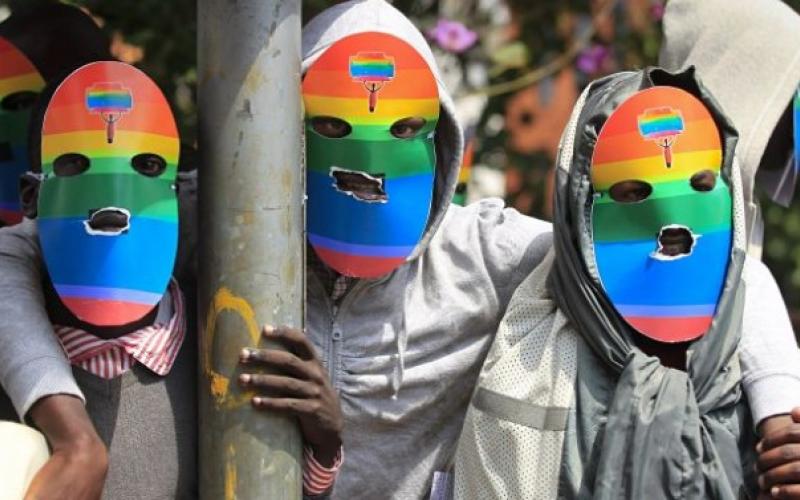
(155, 346)
(316, 478)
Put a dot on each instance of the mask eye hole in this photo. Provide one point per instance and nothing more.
(70, 164)
(630, 191)
(407, 127)
(332, 127)
(703, 181)
(149, 164)
(18, 101)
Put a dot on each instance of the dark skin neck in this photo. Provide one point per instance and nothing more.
(670, 355)
(60, 315)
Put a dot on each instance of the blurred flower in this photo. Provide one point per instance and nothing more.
(453, 36)
(593, 59)
(125, 51)
(657, 10)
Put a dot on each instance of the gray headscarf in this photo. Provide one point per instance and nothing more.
(666, 434)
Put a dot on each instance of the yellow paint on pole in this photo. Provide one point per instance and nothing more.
(225, 300)
(230, 474)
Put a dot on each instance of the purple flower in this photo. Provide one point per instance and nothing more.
(657, 10)
(593, 59)
(453, 36)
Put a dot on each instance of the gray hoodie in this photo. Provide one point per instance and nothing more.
(404, 350)
(746, 54)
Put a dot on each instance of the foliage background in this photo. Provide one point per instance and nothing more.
(516, 84)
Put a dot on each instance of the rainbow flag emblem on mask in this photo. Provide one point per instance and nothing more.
(662, 125)
(110, 101)
(20, 84)
(373, 70)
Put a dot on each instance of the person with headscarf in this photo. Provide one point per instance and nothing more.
(405, 290)
(616, 372)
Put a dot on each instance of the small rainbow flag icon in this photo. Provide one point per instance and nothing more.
(110, 101)
(373, 70)
(661, 125)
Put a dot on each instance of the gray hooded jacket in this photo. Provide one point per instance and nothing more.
(746, 54)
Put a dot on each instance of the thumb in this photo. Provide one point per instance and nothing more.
(796, 415)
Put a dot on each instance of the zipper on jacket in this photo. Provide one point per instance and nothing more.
(337, 332)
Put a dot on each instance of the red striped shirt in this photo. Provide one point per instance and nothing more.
(155, 346)
(316, 478)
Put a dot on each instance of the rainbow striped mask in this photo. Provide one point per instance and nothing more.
(108, 212)
(661, 216)
(20, 85)
(371, 105)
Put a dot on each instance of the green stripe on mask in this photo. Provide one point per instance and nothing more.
(75, 196)
(700, 212)
(119, 165)
(397, 158)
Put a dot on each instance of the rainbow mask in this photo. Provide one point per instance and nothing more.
(20, 84)
(796, 135)
(370, 171)
(108, 213)
(661, 217)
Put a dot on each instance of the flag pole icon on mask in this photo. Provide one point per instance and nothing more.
(373, 70)
(111, 101)
(662, 125)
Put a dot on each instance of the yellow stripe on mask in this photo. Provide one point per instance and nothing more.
(356, 111)
(93, 143)
(653, 169)
(28, 81)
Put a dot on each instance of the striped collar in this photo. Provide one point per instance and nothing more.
(155, 346)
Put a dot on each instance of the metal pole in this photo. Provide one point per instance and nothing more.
(252, 258)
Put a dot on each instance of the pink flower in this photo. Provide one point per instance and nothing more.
(657, 10)
(593, 59)
(453, 36)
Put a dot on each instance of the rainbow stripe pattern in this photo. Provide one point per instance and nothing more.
(796, 123)
(355, 237)
(109, 280)
(371, 67)
(108, 98)
(660, 122)
(17, 76)
(669, 300)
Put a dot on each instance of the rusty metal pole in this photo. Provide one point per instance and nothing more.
(252, 253)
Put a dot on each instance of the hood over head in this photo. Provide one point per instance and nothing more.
(679, 404)
(745, 53)
(363, 16)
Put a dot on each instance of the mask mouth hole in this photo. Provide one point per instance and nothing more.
(675, 241)
(109, 221)
(360, 185)
(6, 153)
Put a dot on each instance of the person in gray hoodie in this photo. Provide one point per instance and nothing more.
(402, 349)
(746, 54)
